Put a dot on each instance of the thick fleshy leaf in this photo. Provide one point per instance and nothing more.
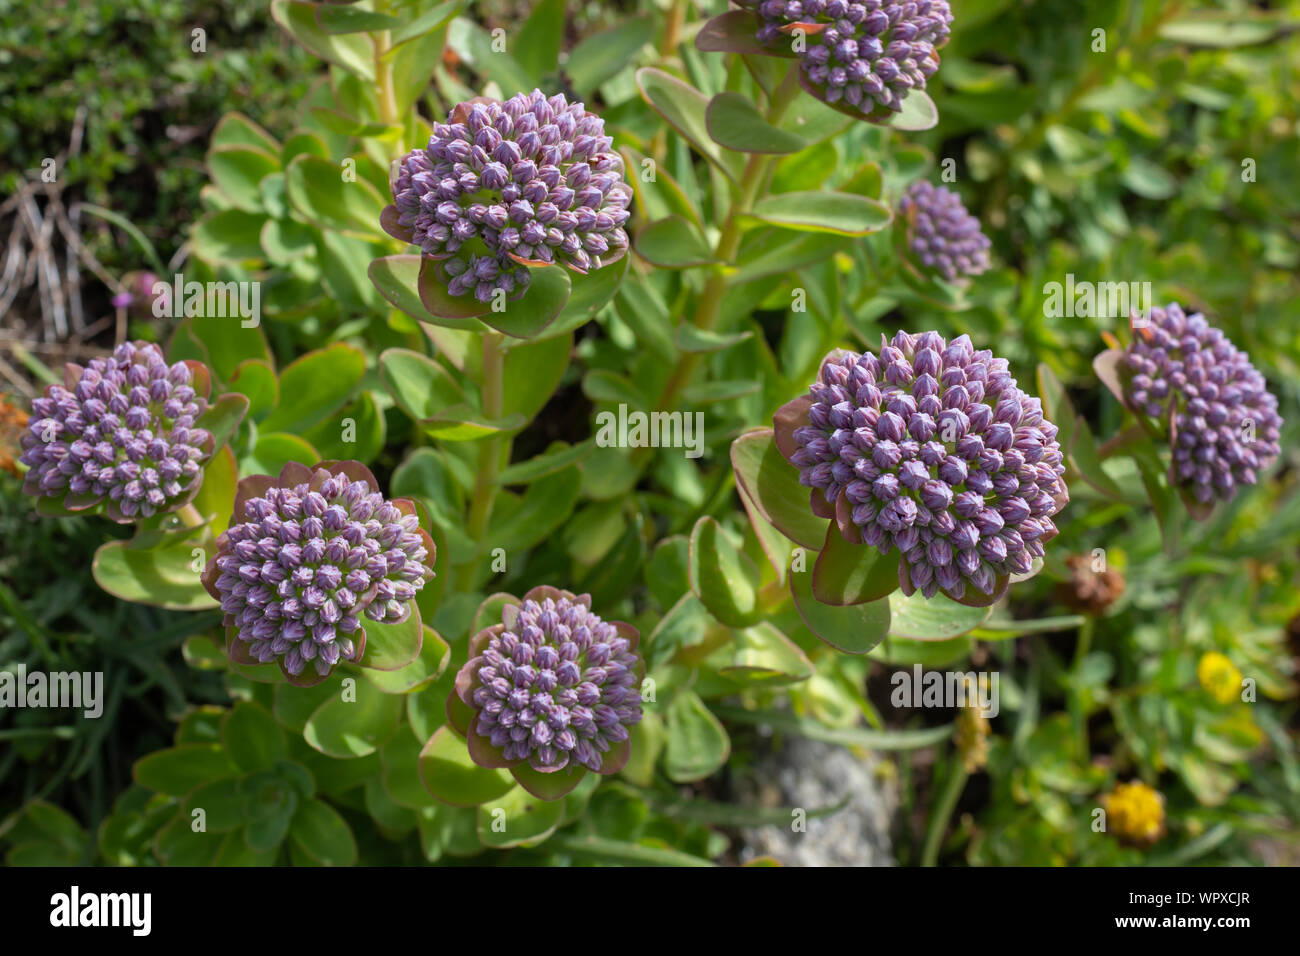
(221, 801)
(1107, 366)
(519, 818)
(390, 647)
(178, 770)
(697, 744)
(918, 113)
(338, 18)
(228, 235)
(168, 575)
(815, 122)
(691, 338)
(660, 195)
(358, 432)
(549, 786)
(434, 656)
(667, 574)
(401, 772)
(557, 457)
(845, 214)
(763, 655)
(735, 31)
(847, 574)
(528, 316)
(252, 737)
(854, 629)
(346, 728)
(589, 293)
(1076, 438)
(934, 619)
(548, 502)
(1222, 29)
(256, 380)
(216, 497)
(722, 576)
(236, 129)
(489, 614)
(537, 45)
(770, 485)
(452, 777)
(315, 386)
(223, 417)
(319, 832)
(683, 108)
(465, 423)
(294, 706)
(420, 386)
(237, 171)
(478, 49)
(599, 56)
(672, 243)
(1056, 404)
(316, 188)
(298, 19)
(735, 122)
(398, 280)
(905, 652)
(276, 449)
(531, 373)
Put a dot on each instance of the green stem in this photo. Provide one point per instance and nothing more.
(943, 812)
(673, 28)
(773, 595)
(490, 452)
(752, 178)
(1078, 711)
(1121, 441)
(190, 517)
(387, 98)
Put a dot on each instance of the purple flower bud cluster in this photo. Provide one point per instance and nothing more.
(122, 428)
(557, 684)
(297, 570)
(941, 234)
(137, 291)
(1225, 421)
(931, 448)
(530, 180)
(870, 53)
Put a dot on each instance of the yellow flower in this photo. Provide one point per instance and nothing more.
(12, 422)
(971, 738)
(1135, 813)
(1220, 677)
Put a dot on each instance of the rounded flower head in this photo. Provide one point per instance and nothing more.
(121, 430)
(137, 292)
(1219, 676)
(1224, 425)
(930, 448)
(307, 558)
(501, 186)
(941, 234)
(551, 688)
(863, 56)
(1135, 813)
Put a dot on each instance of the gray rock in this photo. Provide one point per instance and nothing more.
(812, 775)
